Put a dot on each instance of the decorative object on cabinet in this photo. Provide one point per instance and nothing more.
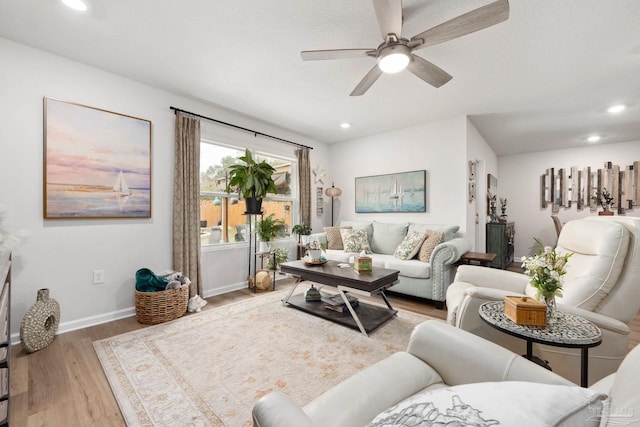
(503, 209)
(562, 187)
(500, 237)
(40, 322)
(492, 191)
(493, 217)
(396, 192)
(112, 179)
(333, 192)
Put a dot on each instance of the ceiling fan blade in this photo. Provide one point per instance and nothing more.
(476, 20)
(312, 55)
(428, 71)
(367, 81)
(389, 14)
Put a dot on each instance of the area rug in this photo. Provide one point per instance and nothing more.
(209, 368)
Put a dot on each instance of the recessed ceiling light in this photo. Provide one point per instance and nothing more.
(593, 138)
(616, 109)
(76, 4)
(345, 125)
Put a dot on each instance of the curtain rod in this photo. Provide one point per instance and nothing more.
(256, 133)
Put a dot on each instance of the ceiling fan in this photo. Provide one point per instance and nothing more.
(395, 53)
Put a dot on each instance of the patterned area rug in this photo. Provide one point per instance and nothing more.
(208, 369)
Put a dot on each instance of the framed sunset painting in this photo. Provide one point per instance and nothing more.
(97, 164)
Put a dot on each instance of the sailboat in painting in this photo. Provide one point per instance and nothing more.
(396, 192)
(121, 187)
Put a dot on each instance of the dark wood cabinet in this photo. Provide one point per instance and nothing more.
(500, 242)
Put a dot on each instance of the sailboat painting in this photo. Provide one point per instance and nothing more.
(397, 192)
(97, 164)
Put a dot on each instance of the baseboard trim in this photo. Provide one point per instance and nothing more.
(99, 319)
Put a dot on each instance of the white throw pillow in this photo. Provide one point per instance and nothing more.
(507, 403)
(410, 245)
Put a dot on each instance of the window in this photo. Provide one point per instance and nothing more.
(222, 218)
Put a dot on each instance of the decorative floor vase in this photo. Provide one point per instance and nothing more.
(40, 322)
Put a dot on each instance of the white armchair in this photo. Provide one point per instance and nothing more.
(451, 377)
(602, 284)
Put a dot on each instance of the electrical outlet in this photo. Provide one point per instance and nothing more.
(98, 277)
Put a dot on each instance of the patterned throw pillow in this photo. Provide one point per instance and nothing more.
(355, 240)
(410, 245)
(433, 239)
(334, 239)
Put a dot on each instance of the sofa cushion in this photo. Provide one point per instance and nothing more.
(334, 239)
(599, 252)
(449, 231)
(386, 237)
(410, 246)
(338, 255)
(507, 403)
(355, 240)
(432, 240)
(407, 267)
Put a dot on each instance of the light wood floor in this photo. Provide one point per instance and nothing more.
(64, 385)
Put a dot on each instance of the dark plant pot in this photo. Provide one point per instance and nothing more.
(253, 205)
(605, 213)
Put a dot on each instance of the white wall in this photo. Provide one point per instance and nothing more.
(438, 147)
(519, 181)
(486, 162)
(62, 254)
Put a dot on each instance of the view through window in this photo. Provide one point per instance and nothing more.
(222, 218)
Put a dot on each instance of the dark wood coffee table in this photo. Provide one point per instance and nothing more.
(365, 317)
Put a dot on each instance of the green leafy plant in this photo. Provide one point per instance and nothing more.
(269, 227)
(301, 229)
(251, 178)
(281, 255)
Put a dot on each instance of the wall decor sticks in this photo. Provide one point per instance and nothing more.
(562, 187)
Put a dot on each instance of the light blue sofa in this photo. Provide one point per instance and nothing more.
(419, 279)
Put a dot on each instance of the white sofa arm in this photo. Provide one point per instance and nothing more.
(279, 410)
(462, 358)
(605, 323)
(443, 256)
(492, 278)
(450, 251)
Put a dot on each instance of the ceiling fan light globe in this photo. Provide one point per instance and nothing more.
(394, 59)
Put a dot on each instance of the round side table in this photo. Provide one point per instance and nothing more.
(567, 330)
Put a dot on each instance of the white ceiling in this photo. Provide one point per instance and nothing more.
(541, 80)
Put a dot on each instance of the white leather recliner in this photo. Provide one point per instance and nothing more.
(602, 284)
(448, 376)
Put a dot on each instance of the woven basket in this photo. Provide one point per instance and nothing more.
(157, 307)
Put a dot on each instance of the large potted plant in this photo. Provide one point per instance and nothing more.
(252, 180)
(267, 229)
